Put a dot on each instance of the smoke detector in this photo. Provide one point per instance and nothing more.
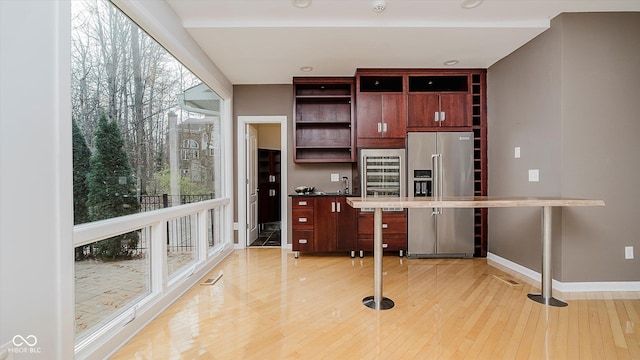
(301, 3)
(470, 4)
(379, 5)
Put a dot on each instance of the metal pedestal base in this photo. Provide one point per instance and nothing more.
(548, 301)
(546, 298)
(385, 303)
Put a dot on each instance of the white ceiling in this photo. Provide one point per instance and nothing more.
(268, 41)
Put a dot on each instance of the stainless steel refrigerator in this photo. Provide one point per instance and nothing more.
(440, 164)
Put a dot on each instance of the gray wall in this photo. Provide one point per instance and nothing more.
(258, 100)
(569, 99)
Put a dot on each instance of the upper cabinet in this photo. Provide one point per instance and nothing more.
(324, 115)
(438, 100)
(381, 109)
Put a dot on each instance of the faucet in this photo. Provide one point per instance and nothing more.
(345, 184)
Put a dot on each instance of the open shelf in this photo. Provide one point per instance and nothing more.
(324, 115)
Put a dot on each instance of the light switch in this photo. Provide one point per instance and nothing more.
(335, 177)
(534, 175)
(516, 152)
(628, 252)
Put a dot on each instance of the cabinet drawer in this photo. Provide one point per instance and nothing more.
(302, 203)
(302, 219)
(391, 224)
(392, 243)
(302, 240)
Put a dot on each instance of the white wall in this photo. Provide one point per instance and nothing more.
(36, 209)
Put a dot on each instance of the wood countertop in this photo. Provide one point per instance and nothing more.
(469, 202)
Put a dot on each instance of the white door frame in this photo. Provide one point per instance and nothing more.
(242, 176)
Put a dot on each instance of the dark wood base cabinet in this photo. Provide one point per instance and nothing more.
(323, 224)
(394, 232)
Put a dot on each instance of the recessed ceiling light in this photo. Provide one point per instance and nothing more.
(470, 4)
(306, 68)
(451, 62)
(379, 5)
(301, 3)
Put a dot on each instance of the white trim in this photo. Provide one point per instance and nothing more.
(567, 287)
(242, 175)
(159, 20)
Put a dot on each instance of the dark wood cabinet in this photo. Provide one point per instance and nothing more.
(385, 105)
(331, 229)
(325, 224)
(268, 185)
(438, 101)
(346, 229)
(302, 224)
(380, 110)
(394, 231)
(323, 111)
(479, 127)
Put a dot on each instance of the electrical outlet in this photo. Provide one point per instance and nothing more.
(335, 177)
(534, 175)
(628, 252)
(235, 226)
(516, 152)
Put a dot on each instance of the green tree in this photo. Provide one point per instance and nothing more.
(111, 188)
(81, 167)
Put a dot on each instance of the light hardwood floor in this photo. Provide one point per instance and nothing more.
(268, 305)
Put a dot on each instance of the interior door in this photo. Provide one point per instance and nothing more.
(252, 184)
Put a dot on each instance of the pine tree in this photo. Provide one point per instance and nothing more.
(111, 188)
(81, 167)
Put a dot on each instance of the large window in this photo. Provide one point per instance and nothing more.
(146, 136)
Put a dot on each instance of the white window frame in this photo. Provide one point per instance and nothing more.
(162, 24)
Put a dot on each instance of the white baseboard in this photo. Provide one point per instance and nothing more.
(567, 287)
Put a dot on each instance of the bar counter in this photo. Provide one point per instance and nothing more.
(378, 302)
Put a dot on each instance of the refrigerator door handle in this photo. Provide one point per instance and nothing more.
(435, 165)
(440, 182)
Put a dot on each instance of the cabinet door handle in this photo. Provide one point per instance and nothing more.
(384, 127)
(302, 203)
(441, 115)
(384, 246)
(384, 226)
(338, 205)
(302, 241)
(333, 206)
(436, 116)
(379, 127)
(302, 220)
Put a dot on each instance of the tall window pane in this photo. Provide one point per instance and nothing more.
(146, 136)
(182, 240)
(106, 288)
(147, 130)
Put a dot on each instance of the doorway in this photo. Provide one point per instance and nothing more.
(269, 204)
(271, 222)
